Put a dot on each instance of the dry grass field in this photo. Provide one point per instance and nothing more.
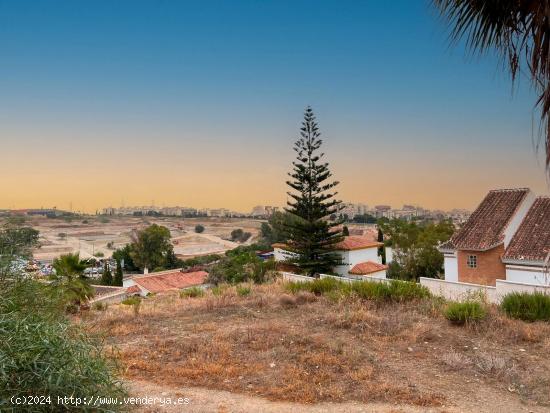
(278, 352)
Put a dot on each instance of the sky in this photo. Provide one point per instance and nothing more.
(198, 103)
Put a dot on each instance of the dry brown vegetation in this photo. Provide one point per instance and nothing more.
(309, 349)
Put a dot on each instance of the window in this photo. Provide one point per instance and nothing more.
(472, 261)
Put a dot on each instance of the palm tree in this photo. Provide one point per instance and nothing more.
(519, 30)
(69, 283)
(68, 265)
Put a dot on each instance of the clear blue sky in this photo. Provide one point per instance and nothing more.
(101, 92)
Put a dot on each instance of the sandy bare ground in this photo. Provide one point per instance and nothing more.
(204, 401)
(90, 235)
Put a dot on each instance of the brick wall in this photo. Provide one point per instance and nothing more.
(489, 266)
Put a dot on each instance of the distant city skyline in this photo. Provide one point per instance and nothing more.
(199, 103)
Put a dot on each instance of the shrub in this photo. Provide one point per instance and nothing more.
(287, 300)
(43, 354)
(322, 286)
(243, 291)
(240, 265)
(99, 306)
(527, 306)
(465, 312)
(192, 292)
(368, 290)
(131, 300)
(218, 290)
(406, 291)
(304, 297)
(199, 228)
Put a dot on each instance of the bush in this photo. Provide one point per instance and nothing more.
(240, 265)
(199, 228)
(99, 306)
(202, 260)
(368, 290)
(192, 292)
(527, 306)
(218, 290)
(465, 312)
(243, 291)
(406, 291)
(43, 354)
(133, 300)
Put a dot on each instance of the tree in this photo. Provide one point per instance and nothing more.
(199, 229)
(124, 255)
(275, 230)
(518, 30)
(415, 248)
(150, 247)
(15, 240)
(381, 250)
(236, 234)
(311, 237)
(240, 265)
(69, 283)
(68, 265)
(16, 243)
(118, 275)
(171, 260)
(345, 231)
(107, 276)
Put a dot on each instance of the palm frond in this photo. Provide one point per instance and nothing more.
(519, 30)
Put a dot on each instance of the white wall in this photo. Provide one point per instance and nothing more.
(506, 287)
(349, 258)
(128, 282)
(389, 255)
(529, 275)
(289, 276)
(458, 291)
(354, 257)
(451, 267)
(344, 268)
(515, 222)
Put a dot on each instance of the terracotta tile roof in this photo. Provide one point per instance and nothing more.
(531, 242)
(133, 289)
(369, 267)
(446, 246)
(485, 227)
(356, 242)
(351, 242)
(100, 290)
(170, 280)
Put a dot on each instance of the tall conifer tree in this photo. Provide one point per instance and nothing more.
(107, 276)
(312, 238)
(117, 280)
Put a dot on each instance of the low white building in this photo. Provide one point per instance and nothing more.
(359, 257)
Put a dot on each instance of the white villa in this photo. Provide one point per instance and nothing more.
(359, 257)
